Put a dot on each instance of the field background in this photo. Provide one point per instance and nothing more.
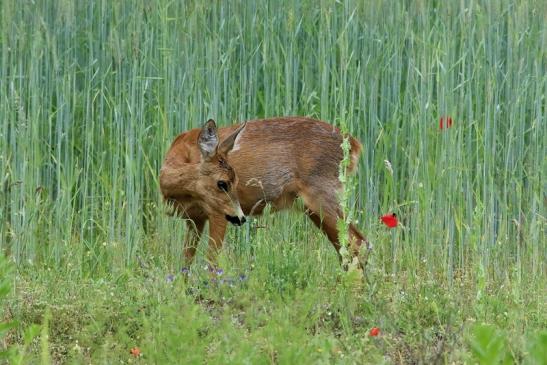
(93, 92)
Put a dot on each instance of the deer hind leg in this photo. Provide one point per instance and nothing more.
(357, 240)
(324, 211)
(328, 226)
(193, 235)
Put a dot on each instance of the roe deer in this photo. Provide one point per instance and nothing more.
(222, 175)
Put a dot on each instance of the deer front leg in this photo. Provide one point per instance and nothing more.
(217, 230)
(193, 234)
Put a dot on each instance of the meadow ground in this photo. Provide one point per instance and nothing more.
(92, 93)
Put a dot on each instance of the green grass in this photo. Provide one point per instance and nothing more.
(93, 92)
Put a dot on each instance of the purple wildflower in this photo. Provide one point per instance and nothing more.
(213, 269)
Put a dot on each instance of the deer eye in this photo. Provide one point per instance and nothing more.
(223, 185)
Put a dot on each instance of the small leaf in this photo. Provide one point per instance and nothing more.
(31, 333)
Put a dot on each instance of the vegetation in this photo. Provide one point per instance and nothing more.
(448, 99)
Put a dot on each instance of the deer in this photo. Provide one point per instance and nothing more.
(223, 175)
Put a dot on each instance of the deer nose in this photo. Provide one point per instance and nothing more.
(236, 220)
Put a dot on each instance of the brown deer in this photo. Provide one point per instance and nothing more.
(222, 175)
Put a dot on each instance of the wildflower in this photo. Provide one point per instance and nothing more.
(170, 278)
(390, 220)
(185, 271)
(374, 331)
(445, 122)
(135, 352)
(214, 270)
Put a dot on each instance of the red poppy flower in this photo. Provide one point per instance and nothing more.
(445, 122)
(135, 351)
(374, 331)
(390, 220)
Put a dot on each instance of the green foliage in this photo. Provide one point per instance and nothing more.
(343, 224)
(13, 354)
(44, 339)
(180, 329)
(5, 278)
(538, 349)
(16, 353)
(489, 346)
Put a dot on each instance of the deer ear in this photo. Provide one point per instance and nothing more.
(208, 139)
(227, 145)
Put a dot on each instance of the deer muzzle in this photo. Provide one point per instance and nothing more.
(238, 221)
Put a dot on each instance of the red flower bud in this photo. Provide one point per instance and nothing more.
(445, 122)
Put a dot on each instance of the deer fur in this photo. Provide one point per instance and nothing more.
(270, 161)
